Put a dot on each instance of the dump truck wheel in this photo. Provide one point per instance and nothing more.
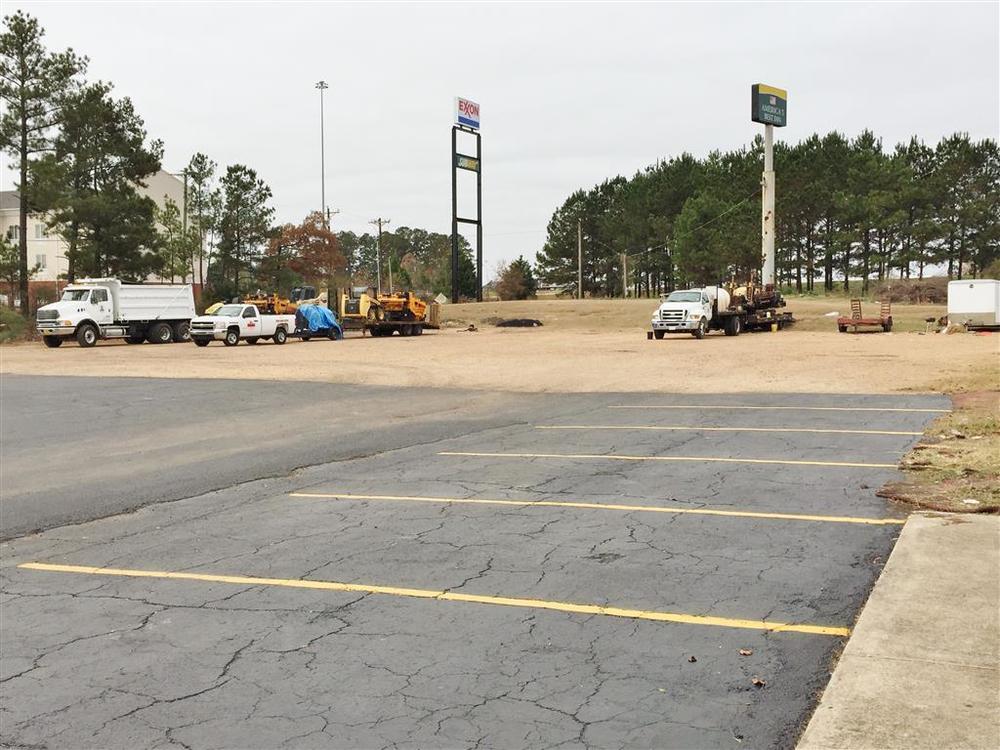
(160, 333)
(182, 331)
(86, 335)
(52, 341)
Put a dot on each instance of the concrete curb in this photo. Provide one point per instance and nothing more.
(922, 669)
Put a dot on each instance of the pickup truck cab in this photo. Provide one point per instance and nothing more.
(231, 323)
(686, 311)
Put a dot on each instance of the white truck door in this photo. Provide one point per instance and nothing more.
(250, 322)
(100, 305)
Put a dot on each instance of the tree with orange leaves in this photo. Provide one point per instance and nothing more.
(308, 250)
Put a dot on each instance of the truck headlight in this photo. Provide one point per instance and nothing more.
(66, 322)
(694, 315)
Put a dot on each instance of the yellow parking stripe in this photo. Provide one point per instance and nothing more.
(778, 408)
(449, 596)
(604, 506)
(712, 459)
(673, 428)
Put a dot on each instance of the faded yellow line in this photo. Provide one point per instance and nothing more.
(672, 428)
(779, 408)
(604, 506)
(450, 596)
(713, 459)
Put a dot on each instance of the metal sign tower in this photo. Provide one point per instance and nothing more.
(466, 121)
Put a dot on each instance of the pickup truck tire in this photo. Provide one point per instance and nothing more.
(182, 331)
(280, 337)
(701, 330)
(52, 341)
(658, 334)
(86, 335)
(160, 333)
(306, 336)
(733, 325)
(232, 337)
(201, 342)
(252, 339)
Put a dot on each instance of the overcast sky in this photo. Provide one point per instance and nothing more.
(571, 93)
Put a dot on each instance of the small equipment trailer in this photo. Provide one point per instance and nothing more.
(857, 320)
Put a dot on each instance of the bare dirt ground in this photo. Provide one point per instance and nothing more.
(593, 345)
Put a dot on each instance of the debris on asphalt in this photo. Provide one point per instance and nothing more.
(757, 682)
(746, 652)
(692, 659)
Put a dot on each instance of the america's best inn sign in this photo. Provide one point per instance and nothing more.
(769, 105)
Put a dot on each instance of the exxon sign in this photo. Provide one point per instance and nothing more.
(467, 113)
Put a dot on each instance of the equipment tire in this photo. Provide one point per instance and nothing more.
(699, 333)
(842, 329)
(182, 331)
(52, 342)
(733, 325)
(160, 333)
(332, 334)
(658, 334)
(86, 335)
(887, 326)
(232, 337)
(201, 342)
(418, 330)
(252, 339)
(280, 337)
(405, 330)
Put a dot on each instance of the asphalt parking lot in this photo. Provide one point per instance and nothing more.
(484, 570)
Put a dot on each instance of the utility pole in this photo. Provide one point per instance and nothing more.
(624, 275)
(322, 86)
(579, 258)
(378, 254)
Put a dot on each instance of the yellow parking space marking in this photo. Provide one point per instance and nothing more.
(604, 506)
(707, 459)
(676, 428)
(779, 408)
(450, 596)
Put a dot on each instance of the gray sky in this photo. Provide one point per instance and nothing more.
(570, 93)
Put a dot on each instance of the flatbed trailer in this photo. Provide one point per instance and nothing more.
(857, 320)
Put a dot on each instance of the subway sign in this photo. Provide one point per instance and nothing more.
(769, 105)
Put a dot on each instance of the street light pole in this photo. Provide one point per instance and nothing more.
(322, 86)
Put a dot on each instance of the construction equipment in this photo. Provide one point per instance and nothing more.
(883, 321)
(381, 315)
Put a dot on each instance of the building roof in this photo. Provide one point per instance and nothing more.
(9, 200)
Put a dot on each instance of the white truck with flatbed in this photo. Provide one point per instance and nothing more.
(94, 309)
(701, 309)
(237, 322)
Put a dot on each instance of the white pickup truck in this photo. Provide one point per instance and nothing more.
(236, 321)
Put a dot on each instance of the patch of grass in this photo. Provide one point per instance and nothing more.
(13, 327)
(955, 466)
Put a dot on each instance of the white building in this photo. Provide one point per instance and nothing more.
(47, 250)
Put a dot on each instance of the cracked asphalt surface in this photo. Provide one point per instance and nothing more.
(199, 479)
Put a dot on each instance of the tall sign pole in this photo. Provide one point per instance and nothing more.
(769, 105)
(322, 86)
(466, 121)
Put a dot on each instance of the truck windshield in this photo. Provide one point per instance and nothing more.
(684, 297)
(75, 295)
(231, 311)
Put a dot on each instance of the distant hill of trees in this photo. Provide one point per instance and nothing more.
(846, 208)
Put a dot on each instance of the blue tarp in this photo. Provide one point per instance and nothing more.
(317, 319)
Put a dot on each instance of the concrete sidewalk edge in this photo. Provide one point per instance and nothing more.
(921, 669)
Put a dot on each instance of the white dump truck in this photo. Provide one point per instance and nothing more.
(974, 303)
(701, 309)
(93, 309)
(238, 321)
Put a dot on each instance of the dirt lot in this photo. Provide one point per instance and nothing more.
(594, 345)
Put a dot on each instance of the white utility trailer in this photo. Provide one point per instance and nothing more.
(974, 303)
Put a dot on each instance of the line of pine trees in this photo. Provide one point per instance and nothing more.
(848, 212)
